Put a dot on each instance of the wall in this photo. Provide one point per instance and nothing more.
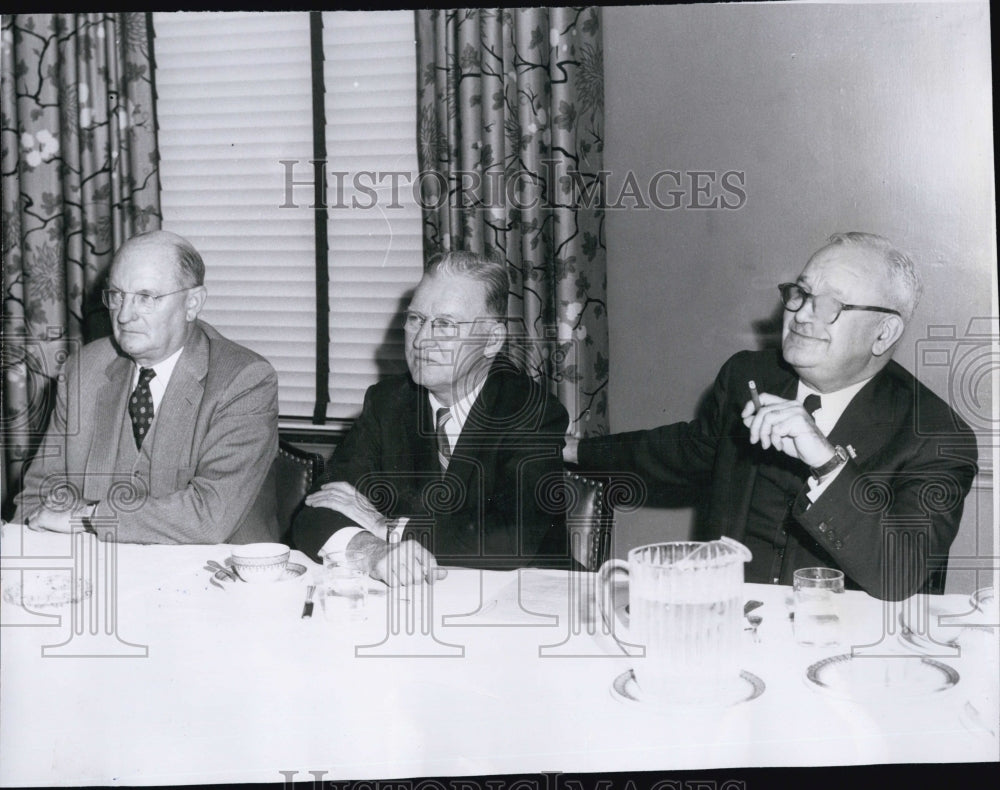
(842, 117)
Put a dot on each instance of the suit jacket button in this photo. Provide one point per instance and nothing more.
(838, 544)
(822, 526)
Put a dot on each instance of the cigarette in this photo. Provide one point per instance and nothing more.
(753, 395)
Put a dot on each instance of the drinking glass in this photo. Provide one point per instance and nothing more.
(818, 593)
(344, 586)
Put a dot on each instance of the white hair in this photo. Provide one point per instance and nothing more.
(904, 283)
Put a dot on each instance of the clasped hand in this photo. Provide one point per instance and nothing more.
(788, 427)
(48, 519)
(397, 564)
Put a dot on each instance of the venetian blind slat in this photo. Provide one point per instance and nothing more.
(234, 97)
(376, 250)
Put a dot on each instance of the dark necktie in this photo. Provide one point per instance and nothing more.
(444, 448)
(812, 403)
(140, 406)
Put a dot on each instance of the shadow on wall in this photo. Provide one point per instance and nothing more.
(388, 358)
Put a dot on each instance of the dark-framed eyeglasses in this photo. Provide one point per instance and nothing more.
(440, 327)
(825, 308)
(142, 302)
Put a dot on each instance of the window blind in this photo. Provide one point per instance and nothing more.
(234, 98)
(374, 226)
(234, 101)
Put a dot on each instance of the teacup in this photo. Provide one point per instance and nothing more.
(260, 562)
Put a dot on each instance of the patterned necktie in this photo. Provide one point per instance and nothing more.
(444, 447)
(813, 403)
(140, 406)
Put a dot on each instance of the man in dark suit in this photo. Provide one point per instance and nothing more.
(847, 461)
(166, 433)
(459, 455)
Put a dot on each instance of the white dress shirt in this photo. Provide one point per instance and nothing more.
(460, 410)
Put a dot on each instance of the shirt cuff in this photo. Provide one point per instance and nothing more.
(396, 531)
(817, 488)
(338, 540)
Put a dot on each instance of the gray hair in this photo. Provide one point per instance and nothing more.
(904, 283)
(190, 267)
(485, 268)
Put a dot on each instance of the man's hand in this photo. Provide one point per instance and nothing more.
(788, 427)
(397, 564)
(346, 499)
(49, 520)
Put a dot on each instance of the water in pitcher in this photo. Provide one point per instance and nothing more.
(691, 647)
(685, 602)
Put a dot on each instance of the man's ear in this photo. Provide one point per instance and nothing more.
(889, 331)
(496, 339)
(194, 302)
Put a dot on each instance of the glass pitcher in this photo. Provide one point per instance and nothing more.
(686, 611)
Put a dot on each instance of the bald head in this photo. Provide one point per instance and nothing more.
(189, 269)
(898, 276)
(156, 294)
(833, 350)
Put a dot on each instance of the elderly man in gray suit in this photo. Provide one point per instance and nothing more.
(166, 433)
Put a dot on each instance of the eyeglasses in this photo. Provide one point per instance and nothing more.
(142, 302)
(440, 327)
(825, 308)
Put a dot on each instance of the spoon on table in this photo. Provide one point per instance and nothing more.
(754, 619)
(229, 572)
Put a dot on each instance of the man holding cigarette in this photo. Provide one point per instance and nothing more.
(826, 453)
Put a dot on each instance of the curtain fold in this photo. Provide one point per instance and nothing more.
(80, 175)
(510, 143)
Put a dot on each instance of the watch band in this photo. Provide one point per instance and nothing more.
(840, 456)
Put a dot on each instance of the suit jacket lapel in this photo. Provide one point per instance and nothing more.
(415, 431)
(869, 422)
(174, 420)
(109, 417)
(475, 432)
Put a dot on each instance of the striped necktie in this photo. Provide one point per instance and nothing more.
(444, 447)
(140, 406)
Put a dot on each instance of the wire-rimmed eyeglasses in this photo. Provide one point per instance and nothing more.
(825, 308)
(142, 302)
(413, 322)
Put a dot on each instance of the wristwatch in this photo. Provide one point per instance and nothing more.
(840, 456)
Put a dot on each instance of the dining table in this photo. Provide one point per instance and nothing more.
(151, 664)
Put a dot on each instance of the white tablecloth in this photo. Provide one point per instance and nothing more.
(160, 677)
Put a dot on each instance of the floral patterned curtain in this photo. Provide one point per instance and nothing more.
(80, 176)
(511, 135)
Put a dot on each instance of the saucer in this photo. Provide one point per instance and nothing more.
(865, 677)
(43, 589)
(743, 689)
(944, 628)
(292, 571)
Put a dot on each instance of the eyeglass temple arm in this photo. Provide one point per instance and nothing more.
(871, 308)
